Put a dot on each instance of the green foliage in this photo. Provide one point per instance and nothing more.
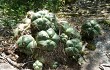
(104, 21)
(20, 7)
(9, 22)
(14, 10)
(90, 29)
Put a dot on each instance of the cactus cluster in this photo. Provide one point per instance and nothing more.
(72, 40)
(48, 33)
(45, 24)
(44, 35)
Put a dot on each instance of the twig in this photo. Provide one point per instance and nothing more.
(101, 66)
(27, 27)
(105, 65)
(83, 47)
(27, 63)
(11, 62)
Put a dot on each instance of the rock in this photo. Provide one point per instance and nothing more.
(6, 66)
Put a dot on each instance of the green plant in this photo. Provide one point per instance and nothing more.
(26, 44)
(90, 29)
(71, 39)
(9, 22)
(37, 65)
(74, 48)
(54, 5)
(48, 34)
(43, 20)
(104, 21)
(48, 40)
(71, 32)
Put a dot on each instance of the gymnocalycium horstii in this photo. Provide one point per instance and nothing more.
(90, 29)
(46, 33)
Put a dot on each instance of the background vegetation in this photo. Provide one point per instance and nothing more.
(14, 10)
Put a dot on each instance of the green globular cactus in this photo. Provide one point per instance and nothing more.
(37, 65)
(48, 39)
(72, 51)
(47, 45)
(90, 29)
(39, 14)
(72, 32)
(68, 30)
(69, 43)
(41, 23)
(64, 25)
(73, 47)
(51, 32)
(53, 35)
(42, 35)
(43, 20)
(26, 44)
(64, 37)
